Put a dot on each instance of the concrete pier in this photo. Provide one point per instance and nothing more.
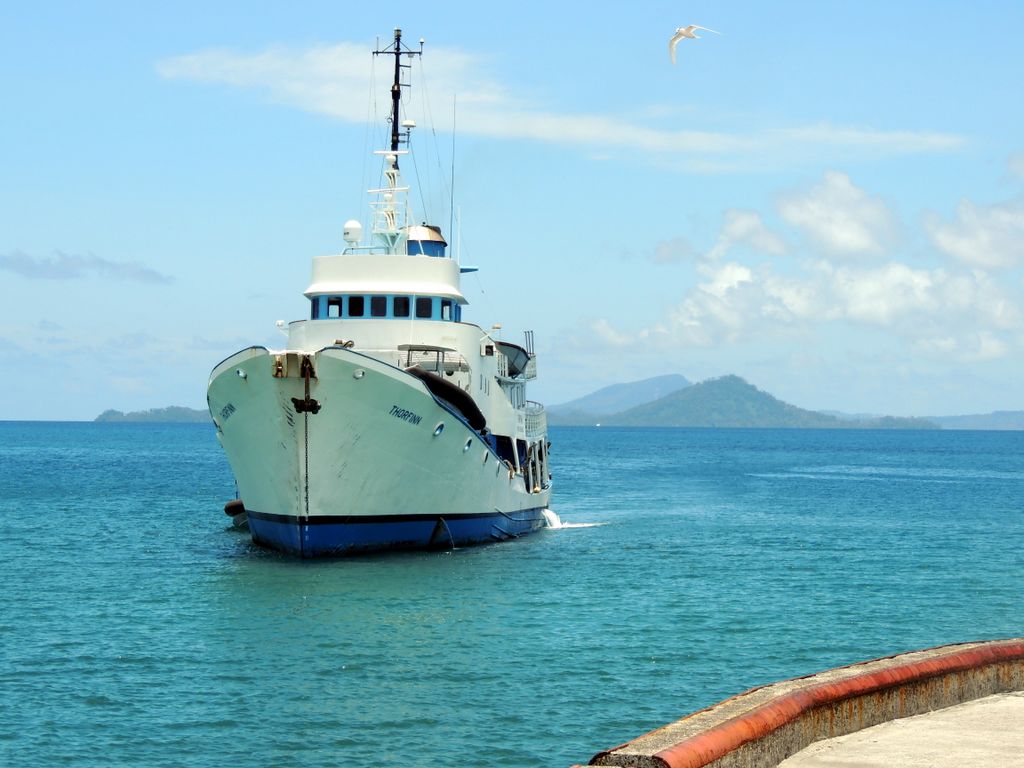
(984, 733)
(762, 727)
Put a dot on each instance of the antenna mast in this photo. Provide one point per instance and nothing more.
(395, 49)
(390, 211)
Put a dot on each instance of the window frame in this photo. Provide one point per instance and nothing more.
(430, 303)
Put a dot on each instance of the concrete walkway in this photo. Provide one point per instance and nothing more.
(984, 733)
(968, 699)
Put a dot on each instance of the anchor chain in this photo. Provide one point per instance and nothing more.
(307, 404)
(305, 456)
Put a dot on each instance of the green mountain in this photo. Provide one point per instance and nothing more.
(174, 413)
(730, 401)
(591, 408)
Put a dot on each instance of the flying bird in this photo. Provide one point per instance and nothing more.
(682, 32)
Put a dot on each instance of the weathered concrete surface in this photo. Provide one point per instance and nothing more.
(762, 727)
(984, 733)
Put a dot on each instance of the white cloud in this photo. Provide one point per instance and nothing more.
(606, 333)
(726, 278)
(792, 300)
(890, 141)
(729, 306)
(738, 228)
(879, 296)
(972, 347)
(746, 228)
(674, 250)
(888, 313)
(977, 295)
(67, 266)
(963, 316)
(334, 80)
(988, 237)
(840, 217)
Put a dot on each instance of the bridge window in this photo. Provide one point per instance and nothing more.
(422, 307)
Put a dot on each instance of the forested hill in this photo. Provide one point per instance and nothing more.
(730, 401)
(173, 413)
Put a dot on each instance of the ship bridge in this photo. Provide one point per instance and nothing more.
(373, 285)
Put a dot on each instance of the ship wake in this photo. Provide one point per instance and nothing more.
(554, 522)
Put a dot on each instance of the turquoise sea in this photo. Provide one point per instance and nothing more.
(138, 629)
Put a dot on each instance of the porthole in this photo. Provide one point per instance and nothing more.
(468, 445)
(439, 429)
(486, 456)
(358, 373)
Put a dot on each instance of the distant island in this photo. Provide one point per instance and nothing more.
(673, 401)
(729, 401)
(173, 413)
(994, 420)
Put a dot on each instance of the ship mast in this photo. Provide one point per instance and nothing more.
(395, 49)
(389, 212)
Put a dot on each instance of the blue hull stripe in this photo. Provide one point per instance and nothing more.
(348, 534)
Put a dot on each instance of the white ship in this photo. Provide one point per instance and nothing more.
(387, 422)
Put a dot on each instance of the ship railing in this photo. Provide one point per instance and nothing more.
(434, 361)
(388, 355)
(388, 215)
(535, 421)
(531, 368)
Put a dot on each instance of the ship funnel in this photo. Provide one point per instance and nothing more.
(426, 239)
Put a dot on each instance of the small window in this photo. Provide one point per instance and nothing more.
(401, 306)
(355, 306)
(334, 306)
(424, 307)
(378, 306)
(446, 309)
(314, 312)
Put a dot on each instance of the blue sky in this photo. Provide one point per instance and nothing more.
(826, 199)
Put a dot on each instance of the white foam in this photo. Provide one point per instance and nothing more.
(552, 519)
(555, 522)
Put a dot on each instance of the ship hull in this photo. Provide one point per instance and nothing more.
(327, 536)
(344, 453)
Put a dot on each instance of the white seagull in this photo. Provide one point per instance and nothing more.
(682, 32)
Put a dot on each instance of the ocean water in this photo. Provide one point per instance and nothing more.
(137, 628)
